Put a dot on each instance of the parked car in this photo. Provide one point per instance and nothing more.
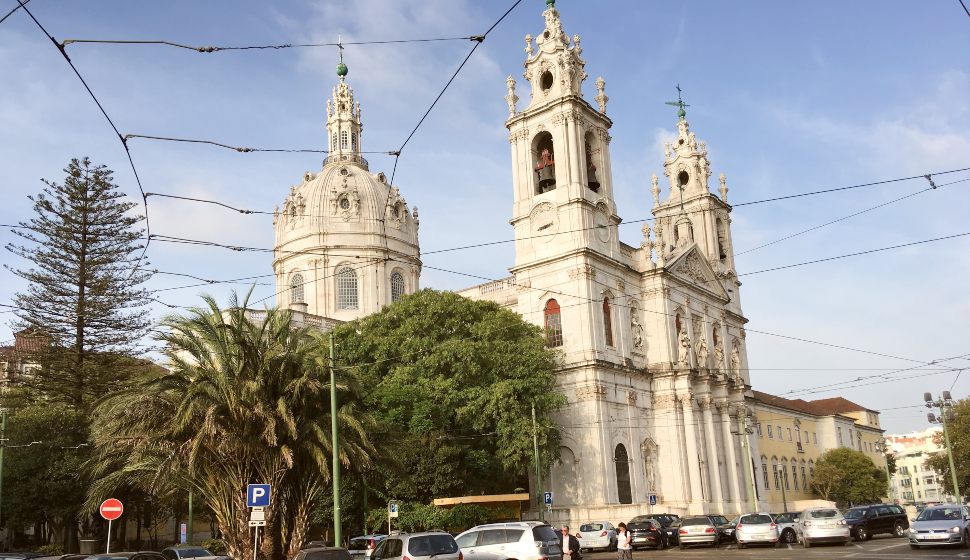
(525, 540)
(866, 521)
(184, 552)
(145, 555)
(724, 530)
(698, 529)
(418, 546)
(363, 546)
(597, 534)
(786, 525)
(669, 524)
(727, 531)
(819, 525)
(647, 532)
(756, 528)
(947, 524)
(323, 553)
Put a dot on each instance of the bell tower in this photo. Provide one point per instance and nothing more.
(343, 121)
(690, 215)
(560, 153)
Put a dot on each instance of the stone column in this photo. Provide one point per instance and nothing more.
(575, 148)
(713, 472)
(690, 439)
(731, 455)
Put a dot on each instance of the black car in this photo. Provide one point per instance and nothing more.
(724, 528)
(669, 523)
(866, 521)
(646, 533)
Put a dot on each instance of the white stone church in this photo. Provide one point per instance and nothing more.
(654, 362)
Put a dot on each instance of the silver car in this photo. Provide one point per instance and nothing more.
(698, 530)
(820, 525)
(755, 528)
(947, 524)
(597, 534)
(418, 546)
(526, 540)
(786, 525)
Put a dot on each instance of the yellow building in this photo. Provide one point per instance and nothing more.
(793, 433)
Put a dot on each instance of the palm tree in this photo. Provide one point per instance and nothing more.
(245, 401)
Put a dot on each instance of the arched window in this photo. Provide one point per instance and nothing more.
(607, 322)
(721, 240)
(343, 139)
(553, 322)
(397, 286)
(346, 288)
(764, 471)
(353, 141)
(592, 179)
(544, 162)
(296, 289)
(804, 477)
(794, 474)
(774, 472)
(333, 141)
(622, 461)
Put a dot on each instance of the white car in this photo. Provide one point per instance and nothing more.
(597, 534)
(755, 528)
(819, 525)
(947, 524)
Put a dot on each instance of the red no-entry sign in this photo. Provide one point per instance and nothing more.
(111, 509)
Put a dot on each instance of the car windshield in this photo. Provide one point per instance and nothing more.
(939, 514)
(695, 521)
(427, 545)
(192, 552)
(823, 513)
(756, 519)
(359, 543)
(545, 533)
(855, 513)
(591, 527)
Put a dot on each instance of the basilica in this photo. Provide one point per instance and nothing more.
(661, 415)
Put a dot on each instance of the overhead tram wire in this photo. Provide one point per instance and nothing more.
(215, 49)
(10, 13)
(843, 218)
(124, 143)
(964, 7)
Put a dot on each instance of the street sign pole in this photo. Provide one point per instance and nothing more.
(255, 541)
(110, 509)
(107, 549)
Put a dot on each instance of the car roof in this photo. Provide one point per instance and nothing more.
(515, 524)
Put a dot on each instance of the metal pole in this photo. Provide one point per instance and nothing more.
(255, 541)
(188, 535)
(535, 448)
(748, 477)
(3, 443)
(337, 537)
(107, 548)
(784, 480)
(949, 453)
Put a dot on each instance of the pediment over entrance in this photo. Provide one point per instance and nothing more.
(692, 268)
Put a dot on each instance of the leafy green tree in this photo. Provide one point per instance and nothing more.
(846, 476)
(958, 427)
(246, 401)
(42, 462)
(451, 383)
(83, 288)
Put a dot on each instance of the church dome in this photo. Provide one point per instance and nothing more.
(346, 241)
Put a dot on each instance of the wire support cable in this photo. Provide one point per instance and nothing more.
(224, 48)
(11, 12)
(124, 142)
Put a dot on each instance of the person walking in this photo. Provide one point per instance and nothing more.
(570, 545)
(624, 540)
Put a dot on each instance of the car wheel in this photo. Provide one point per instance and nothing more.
(861, 534)
(914, 546)
(966, 539)
(899, 530)
(788, 536)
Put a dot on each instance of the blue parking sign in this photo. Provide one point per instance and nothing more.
(547, 498)
(652, 499)
(257, 495)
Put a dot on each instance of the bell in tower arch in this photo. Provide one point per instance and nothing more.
(545, 171)
(591, 180)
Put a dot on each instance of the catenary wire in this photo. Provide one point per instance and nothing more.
(964, 7)
(10, 13)
(215, 49)
(124, 143)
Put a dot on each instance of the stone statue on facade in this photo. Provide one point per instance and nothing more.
(511, 98)
(637, 329)
(702, 353)
(736, 363)
(683, 353)
(719, 355)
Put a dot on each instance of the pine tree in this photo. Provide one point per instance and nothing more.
(83, 284)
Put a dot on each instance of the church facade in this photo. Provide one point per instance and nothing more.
(652, 337)
(661, 415)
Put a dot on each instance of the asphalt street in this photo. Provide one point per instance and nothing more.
(879, 548)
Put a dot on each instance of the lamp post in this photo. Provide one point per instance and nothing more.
(337, 537)
(882, 446)
(744, 431)
(945, 404)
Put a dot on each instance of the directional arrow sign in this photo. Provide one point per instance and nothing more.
(111, 509)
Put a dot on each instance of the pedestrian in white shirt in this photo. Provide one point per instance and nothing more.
(624, 539)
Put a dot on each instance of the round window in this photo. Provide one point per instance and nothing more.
(683, 178)
(545, 81)
(345, 203)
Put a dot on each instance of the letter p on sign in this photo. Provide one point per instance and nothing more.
(257, 495)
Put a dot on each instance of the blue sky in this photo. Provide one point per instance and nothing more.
(790, 97)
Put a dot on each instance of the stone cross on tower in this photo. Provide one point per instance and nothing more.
(679, 103)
